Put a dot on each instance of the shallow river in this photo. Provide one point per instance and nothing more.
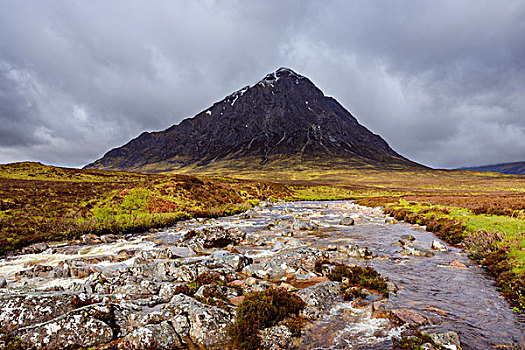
(460, 299)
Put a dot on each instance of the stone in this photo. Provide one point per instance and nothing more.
(406, 239)
(437, 245)
(409, 317)
(74, 331)
(416, 251)
(321, 295)
(232, 261)
(208, 324)
(3, 282)
(303, 225)
(35, 248)
(449, 340)
(457, 264)
(276, 338)
(354, 251)
(90, 238)
(152, 336)
(346, 221)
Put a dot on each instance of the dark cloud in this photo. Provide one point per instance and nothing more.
(442, 82)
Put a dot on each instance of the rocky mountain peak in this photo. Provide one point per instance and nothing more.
(284, 115)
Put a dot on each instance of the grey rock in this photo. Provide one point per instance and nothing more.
(35, 248)
(153, 336)
(406, 239)
(437, 245)
(354, 251)
(416, 251)
(276, 338)
(208, 324)
(303, 225)
(3, 282)
(232, 261)
(450, 340)
(321, 295)
(76, 330)
(347, 221)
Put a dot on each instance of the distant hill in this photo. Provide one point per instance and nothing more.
(517, 168)
(284, 121)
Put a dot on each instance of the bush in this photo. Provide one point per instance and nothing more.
(260, 310)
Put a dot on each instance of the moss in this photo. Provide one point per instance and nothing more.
(260, 310)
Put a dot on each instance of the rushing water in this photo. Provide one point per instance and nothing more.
(453, 298)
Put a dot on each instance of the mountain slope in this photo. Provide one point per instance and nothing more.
(284, 117)
(517, 168)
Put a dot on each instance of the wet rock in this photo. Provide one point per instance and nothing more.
(274, 270)
(458, 264)
(208, 324)
(354, 251)
(74, 331)
(416, 251)
(347, 221)
(90, 239)
(3, 282)
(437, 245)
(409, 317)
(406, 239)
(232, 261)
(303, 225)
(449, 340)
(276, 338)
(152, 336)
(109, 238)
(321, 295)
(391, 221)
(35, 248)
(213, 237)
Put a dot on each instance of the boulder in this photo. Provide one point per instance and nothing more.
(416, 251)
(346, 221)
(276, 338)
(35, 248)
(321, 295)
(437, 245)
(354, 251)
(208, 324)
(409, 317)
(152, 336)
(448, 340)
(72, 331)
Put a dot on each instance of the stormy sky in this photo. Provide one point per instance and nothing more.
(442, 81)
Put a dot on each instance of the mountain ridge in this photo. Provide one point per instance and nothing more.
(515, 168)
(283, 116)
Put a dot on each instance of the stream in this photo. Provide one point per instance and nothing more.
(279, 244)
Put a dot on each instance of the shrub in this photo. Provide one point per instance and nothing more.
(260, 310)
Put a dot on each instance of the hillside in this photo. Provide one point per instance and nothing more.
(283, 120)
(516, 168)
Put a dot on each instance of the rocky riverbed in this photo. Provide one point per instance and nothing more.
(180, 287)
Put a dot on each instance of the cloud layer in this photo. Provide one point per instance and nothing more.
(442, 82)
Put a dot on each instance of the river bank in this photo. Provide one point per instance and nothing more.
(188, 280)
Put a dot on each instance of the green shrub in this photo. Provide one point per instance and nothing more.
(260, 310)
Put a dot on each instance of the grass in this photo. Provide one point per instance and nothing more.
(44, 203)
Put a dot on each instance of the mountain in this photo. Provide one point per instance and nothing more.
(282, 119)
(517, 168)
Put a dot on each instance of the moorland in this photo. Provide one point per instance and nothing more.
(482, 211)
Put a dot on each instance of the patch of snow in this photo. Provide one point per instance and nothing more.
(208, 112)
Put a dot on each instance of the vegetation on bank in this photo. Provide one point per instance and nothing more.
(496, 241)
(484, 211)
(76, 202)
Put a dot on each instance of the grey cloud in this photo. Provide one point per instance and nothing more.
(442, 82)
